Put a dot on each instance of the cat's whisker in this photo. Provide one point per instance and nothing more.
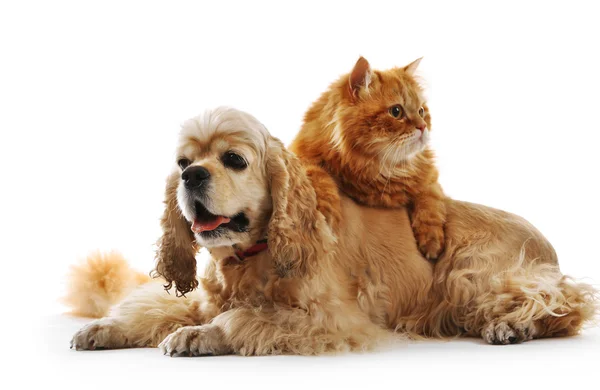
(385, 151)
(398, 154)
(389, 175)
(391, 160)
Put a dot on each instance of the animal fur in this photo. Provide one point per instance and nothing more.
(378, 159)
(330, 282)
(100, 282)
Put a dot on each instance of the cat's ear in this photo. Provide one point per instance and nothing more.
(359, 77)
(412, 67)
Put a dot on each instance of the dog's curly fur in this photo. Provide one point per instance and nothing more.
(177, 248)
(334, 279)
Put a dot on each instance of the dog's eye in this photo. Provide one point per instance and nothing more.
(396, 111)
(233, 160)
(422, 112)
(183, 163)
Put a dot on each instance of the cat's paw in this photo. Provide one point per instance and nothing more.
(200, 340)
(430, 240)
(100, 334)
(501, 333)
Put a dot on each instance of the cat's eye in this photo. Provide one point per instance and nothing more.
(183, 163)
(422, 112)
(234, 160)
(396, 111)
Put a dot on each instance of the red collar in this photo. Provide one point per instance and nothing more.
(254, 250)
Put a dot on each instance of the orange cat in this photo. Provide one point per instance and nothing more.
(370, 131)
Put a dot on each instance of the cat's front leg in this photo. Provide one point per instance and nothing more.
(328, 196)
(428, 220)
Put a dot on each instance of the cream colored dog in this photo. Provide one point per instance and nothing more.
(343, 279)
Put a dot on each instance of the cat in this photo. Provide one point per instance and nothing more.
(370, 131)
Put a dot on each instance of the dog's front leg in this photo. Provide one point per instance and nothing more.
(247, 331)
(144, 319)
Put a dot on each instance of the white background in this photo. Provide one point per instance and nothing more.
(92, 95)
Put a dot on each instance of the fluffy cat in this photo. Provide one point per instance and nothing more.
(370, 131)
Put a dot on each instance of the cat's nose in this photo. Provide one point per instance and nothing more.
(421, 126)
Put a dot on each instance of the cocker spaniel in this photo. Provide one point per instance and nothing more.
(298, 268)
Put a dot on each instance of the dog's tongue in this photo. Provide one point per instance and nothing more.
(198, 226)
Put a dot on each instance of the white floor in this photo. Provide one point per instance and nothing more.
(462, 363)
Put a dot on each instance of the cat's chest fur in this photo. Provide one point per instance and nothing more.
(372, 184)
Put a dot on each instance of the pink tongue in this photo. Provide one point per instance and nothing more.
(198, 226)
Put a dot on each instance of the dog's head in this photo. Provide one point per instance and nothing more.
(222, 188)
(233, 184)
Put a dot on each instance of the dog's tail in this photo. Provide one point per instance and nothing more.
(99, 282)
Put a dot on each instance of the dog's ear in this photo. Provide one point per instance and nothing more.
(177, 248)
(298, 234)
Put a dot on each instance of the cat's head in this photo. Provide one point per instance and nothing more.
(380, 113)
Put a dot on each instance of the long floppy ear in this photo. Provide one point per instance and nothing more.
(298, 234)
(360, 77)
(177, 248)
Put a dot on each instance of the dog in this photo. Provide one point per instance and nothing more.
(298, 268)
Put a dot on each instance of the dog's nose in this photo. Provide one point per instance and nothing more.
(194, 176)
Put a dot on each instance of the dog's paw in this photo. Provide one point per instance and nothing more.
(195, 341)
(99, 334)
(502, 333)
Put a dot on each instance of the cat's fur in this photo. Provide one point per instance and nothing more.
(379, 159)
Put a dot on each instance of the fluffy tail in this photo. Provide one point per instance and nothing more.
(533, 297)
(558, 304)
(100, 282)
(576, 307)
